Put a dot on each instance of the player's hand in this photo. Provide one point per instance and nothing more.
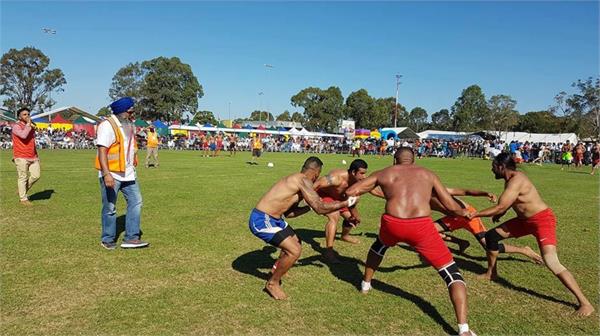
(492, 197)
(352, 200)
(497, 217)
(109, 181)
(354, 221)
(466, 213)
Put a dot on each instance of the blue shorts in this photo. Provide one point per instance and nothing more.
(270, 229)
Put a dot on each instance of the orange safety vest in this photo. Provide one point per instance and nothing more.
(152, 139)
(116, 151)
(257, 144)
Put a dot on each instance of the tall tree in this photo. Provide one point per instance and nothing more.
(261, 115)
(298, 117)
(383, 111)
(360, 107)
(322, 108)
(469, 112)
(26, 80)
(417, 118)
(502, 113)
(203, 117)
(538, 122)
(285, 116)
(165, 88)
(441, 120)
(585, 104)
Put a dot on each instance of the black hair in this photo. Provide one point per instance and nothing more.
(356, 165)
(401, 150)
(23, 109)
(506, 160)
(312, 162)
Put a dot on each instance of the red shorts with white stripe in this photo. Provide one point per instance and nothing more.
(542, 225)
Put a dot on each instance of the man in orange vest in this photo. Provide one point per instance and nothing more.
(116, 161)
(151, 147)
(24, 154)
(256, 149)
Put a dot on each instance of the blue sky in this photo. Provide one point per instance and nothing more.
(529, 50)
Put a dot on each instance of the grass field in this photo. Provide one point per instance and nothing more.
(204, 271)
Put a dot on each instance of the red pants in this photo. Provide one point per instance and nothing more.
(542, 225)
(419, 233)
(329, 199)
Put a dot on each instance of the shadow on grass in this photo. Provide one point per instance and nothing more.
(42, 195)
(121, 227)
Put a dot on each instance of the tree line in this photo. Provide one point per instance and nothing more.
(167, 89)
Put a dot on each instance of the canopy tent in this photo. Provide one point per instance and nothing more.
(68, 112)
(305, 132)
(7, 116)
(83, 124)
(243, 131)
(398, 133)
(42, 122)
(140, 123)
(161, 128)
(375, 134)
(362, 133)
(58, 122)
(236, 126)
(448, 135)
(221, 125)
(535, 137)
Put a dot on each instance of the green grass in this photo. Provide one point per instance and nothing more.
(203, 273)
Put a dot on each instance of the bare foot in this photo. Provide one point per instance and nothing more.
(26, 203)
(585, 310)
(536, 258)
(468, 333)
(275, 291)
(330, 257)
(487, 276)
(350, 239)
(462, 246)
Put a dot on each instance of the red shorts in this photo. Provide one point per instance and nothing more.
(453, 223)
(329, 199)
(542, 225)
(419, 233)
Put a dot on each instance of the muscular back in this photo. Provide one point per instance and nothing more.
(282, 196)
(407, 189)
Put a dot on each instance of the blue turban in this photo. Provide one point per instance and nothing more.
(122, 105)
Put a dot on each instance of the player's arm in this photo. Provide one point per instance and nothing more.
(472, 192)
(325, 181)
(377, 191)
(296, 211)
(507, 199)
(445, 198)
(364, 186)
(314, 201)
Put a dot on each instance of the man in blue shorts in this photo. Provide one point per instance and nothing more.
(267, 218)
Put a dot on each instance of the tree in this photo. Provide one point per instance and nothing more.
(359, 106)
(285, 116)
(164, 88)
(26, 81)
(383, 111)
(203, 117)
(585, 105)
(417, 118)
(103, 112)
(322, 108)
(261, 116)
(470, 111)
(502, 113)
(298, 117)
(538, 122)
(441, 120)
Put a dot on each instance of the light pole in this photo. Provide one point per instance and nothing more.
(260, 94)
(268, 68)
(396, 106)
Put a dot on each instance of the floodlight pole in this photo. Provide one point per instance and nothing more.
(396, 105)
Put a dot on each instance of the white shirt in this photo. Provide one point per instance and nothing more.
(105, 136)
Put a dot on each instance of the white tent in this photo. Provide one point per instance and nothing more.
(70, 110)
(294, 131)
(535, 137)
(305, 132)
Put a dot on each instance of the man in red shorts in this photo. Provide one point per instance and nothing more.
(533, 217)
(407, 189)
(331, 188)
(451, 223)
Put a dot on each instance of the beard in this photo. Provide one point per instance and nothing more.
(498, 176)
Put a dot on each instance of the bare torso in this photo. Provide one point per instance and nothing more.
(282, 196)
(407, 190)
(338, 189)
(528, 202)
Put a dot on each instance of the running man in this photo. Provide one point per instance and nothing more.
(533, 217)
(407, 189)
(332, 187)
(595, 157)
(451, 223)
(267, 218)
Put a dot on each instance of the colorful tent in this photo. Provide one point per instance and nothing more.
(81, 124)
(58, 122)
(161, 128)
(375, 134)
(237, 126)
(362, 133)
(42, 122)
(140, 123)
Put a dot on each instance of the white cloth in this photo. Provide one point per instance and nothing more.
(105, 136)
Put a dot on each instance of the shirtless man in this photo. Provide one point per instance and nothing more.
(267, 218)
(332, 187)
(407, 189)
(533, 217)
(595, 157)
(451, 223)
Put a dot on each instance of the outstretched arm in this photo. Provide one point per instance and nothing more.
(314, 201)
(445, 198)
(507, 199)
(296, 211)
(363, 186)
(472, 192)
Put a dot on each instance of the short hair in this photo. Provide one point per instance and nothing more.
(23, 109)
(357, 164)
(312, 162)
(506, 160)
(401, 151)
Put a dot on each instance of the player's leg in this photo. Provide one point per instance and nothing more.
(562, 273)
(346, 228)
(330, 229)
(291, 252)
(374, 258)
(492, 239)
(442, 228)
